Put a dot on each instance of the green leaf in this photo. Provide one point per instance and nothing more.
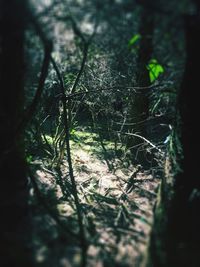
(134, 39)
(155, 69)
(29, 159)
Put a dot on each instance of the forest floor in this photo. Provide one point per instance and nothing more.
(117, 201)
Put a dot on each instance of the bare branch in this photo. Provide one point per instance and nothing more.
(67, 137)
(69, 160)
(28, 114)
(144, 139)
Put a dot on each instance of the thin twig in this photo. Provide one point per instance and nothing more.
(28, 114)
(112, 88)
(67, 137)
(69, 160)
(86, 44)
(144, 139)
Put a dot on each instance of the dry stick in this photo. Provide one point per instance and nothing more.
(112, 88)
(43, 74)
(133, 123)
(71, 173)
(78, 107)
(67, 135)
(85, 54)
(86, 44)
(144, 139)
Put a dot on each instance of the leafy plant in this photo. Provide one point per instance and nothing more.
(155, 69)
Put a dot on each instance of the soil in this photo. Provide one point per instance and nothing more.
(117, 209)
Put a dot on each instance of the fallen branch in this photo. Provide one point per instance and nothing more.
(144, 139)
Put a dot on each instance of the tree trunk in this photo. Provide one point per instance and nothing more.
(13, 190)
(175, 239)
(140, 101)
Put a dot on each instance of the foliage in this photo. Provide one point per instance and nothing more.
(155, 69)
(134, 40)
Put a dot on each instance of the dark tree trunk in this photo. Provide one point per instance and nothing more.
(13, 188)
(140, 102)
(175, 239)
(184, 220)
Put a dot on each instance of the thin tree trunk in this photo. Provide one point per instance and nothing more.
(140, 102)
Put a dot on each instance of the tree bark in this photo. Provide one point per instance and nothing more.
(175, 239)
(140, 102)
(13, 190)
